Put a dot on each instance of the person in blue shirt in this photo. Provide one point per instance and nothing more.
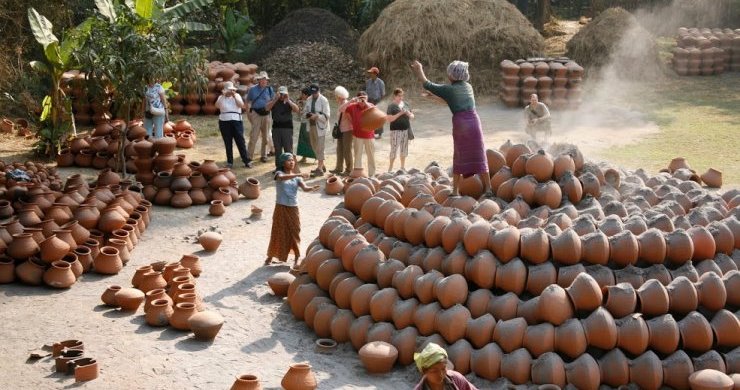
(285, 236)
(259, 116)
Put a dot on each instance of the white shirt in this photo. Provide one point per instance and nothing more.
(229, 107)
(322, 108)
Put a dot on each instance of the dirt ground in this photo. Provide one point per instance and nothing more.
(260, 335)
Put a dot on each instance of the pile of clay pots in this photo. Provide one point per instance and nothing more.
(557, 82)
(100, 148)
(574, 274)
(86, 111)
(53, 235)
(242, 75)
(706, 51)
(169, 296)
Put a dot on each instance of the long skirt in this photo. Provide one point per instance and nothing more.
(285, 236)
(467, 137)
(304, 143)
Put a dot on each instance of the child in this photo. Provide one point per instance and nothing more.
(286, 224)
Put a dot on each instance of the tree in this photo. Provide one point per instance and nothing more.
(56, 116)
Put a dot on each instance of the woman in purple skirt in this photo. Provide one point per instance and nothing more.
(469, 156)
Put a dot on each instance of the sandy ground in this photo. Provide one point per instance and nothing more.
(260, 335)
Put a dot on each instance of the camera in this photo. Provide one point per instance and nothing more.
(308, 115)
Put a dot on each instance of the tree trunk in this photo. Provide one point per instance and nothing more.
(543, 14)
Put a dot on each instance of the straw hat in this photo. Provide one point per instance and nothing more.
(228, 86)
(262, 75)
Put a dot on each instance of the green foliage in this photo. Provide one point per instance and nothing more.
(358, 13)
(237, 38)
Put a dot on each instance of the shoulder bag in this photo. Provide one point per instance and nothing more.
(336, 132)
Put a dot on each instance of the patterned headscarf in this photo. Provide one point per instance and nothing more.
(429, 356)
(283, 158)
(458, 71)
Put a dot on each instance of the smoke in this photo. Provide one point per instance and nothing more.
(612, 94)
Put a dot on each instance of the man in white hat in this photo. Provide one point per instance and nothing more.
(318, 112)
(257, 98)
(230, 124)
(282, 109)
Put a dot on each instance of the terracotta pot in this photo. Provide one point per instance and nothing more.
(108, 261)
(210, 241)
(53, 249)
(31, 271)
(450, 323)
(646, 371)
(181, 315)
(378, 357)
(505, 243)
(712, 178)
(620, 300)
(129, 299)
(156, 294)
(711, 291)
(540, 165)
(246, 382)
(7, 269)
(571, 187)
(704, 245)
(206, 324)
(516, 366)
(159, 312)
(22, 247)
(676, 370)
(450, 290)
(710, 380)
(585, 293)
(664, 334)
(614, 368)
(583, 373)
(679, 247)
(696, 333)
(554, 305)
(683, 297)
(59, 275)
(299, 377)
(549, 369)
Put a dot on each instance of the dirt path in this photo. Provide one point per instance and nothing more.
(260, 335)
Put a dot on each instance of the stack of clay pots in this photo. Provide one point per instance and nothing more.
(169, 295)
(183, 132)
(86, 111)
(574, 274)
(242, 75)
(52, 234)
(557, 82)
(706, 51)
(19, 127)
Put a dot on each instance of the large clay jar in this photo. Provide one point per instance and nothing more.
(653, 298)
(614, 368)
(509, 334)
(59, 275)
(159, 312)
(129, 299)
(549, 369)
(53, 249)
(664, 334)
(676, 370)
(682, 296)
(710, 380)
(450, 290)
(378, 357)
(711, 291)
(647, 371)
(516, 366)
(696, 333)
(451, 323)
(108, 261)
(181, 315)
(206, 324)
(620, 299)
(585, 293)
(554, 305)
(22, 247)
(246, 382)
(299, 377)
(250, 188)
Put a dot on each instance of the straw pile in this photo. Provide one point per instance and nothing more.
(481, 32)
(616, 39)
(308, 25)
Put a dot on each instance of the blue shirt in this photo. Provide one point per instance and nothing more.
(287, 190)
(257, 98)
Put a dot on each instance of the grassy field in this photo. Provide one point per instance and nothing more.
(699, 118)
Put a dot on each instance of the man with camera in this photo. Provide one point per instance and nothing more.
(230, 124)
(282, 109)
(317, 111)
(257, 98)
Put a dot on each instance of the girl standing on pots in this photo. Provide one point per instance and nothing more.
(400, 128)
(285, 236)
(432, 363)
(469, 156)
(155, 109)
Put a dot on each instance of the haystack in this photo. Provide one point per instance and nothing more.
(296, 66)
(308, 25)
(482, 32)
(614, 41)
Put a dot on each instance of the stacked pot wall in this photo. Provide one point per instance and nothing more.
(557, 82)
(704, 51)
(52, 233)
(624, 278)
(242, 75)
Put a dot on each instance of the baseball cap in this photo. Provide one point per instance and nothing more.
(313, 88)
(374, 69)
(283, 90)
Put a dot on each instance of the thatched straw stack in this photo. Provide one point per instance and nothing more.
(614, 40)
(482, 32)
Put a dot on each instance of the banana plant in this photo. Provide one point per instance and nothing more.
(56, 107)
(152, 10)
(235, 32)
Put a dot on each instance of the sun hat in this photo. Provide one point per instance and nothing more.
(262, 75)
(374, 69)
(228, 86)
(283, 90)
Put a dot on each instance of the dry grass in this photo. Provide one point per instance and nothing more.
(482, 32)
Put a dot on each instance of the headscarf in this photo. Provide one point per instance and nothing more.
(429, 356)
(458, 71)
(283, 158)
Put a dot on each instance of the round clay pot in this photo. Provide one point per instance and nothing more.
(108, 261)
(246, 382)
(206, 324)
(653, 298)
(710, 380)
(549, 369)
(633, 335)
(355, 196)
(679, 247)
(676, 370)
(181, 315)
(585, 293)
(516, 366)
(601, 330)
(378, 357)
(59, 275)
(340, 324)
(22, 247)
(620, 299)
(450, 323)
(664, 334)
(129, 299)
(250, 188)
(210, 241)
(159, 312)
(682, 296)
(614, 368)
(583, 373)
(53, 249)
(299, 377)
(726, 327)
(696, 333)
(554, 305)
(711, 291)
(333, 186)
(451, 290)
(647, 371)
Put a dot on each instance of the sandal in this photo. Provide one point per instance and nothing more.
(268, 261)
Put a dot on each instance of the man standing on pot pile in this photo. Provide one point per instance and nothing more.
(538, 118)
(259, 116)
(282, 109)
(317, 111)
(375, 88)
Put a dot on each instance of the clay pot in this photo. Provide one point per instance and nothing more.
(206, 324)
(153, 295)
(704, 245)
(246, 382)
(696, 333)
(652, 246)
(712, 178)
(250, 188)
(7, 269)
(632, 334)
(159, 312)
(333, 186)
(664, 334)
(53, 249)
(711, 291)
(676, 370)
(509, 334)
(620, 300)
(450, 290)
(554, 305)
(549, 369)
(31, 271)
(210, 241)
(109, 295)
(22, 247)
(585, 293)
(129, 299)
(710, 380)
(647, 371)
(108, 261)
(504, 243)
(534, 246)
(583, 373)
(59, 275)
(299, 377)
(378, 357)
(451, 323)
(679, 247)
(355, 197)
(516, 366)
(614, 368)
(181, 315)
